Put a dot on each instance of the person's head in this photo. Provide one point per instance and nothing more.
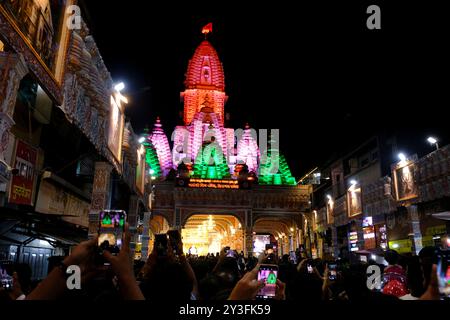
(354, 281)
(426, 257)
(230, 269)
(285, 258)
(166, 280)
(392, 257)
(23, 276)
(415, 276)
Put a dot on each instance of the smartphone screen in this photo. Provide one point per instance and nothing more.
(175, 239)
(332, 273)
(443, 272)
(231, 254)
(269, 274)
(111, 230)
(161, 244)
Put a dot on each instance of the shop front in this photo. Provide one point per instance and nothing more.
(399, 232)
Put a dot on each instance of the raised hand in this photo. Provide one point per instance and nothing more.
(247, 288)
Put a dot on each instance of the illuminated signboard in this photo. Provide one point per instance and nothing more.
(354, 201)
(213, 183)
(367, 221)
(369, 237)
(404, 181)
(353, 238)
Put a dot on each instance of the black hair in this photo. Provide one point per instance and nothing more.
(392, 257)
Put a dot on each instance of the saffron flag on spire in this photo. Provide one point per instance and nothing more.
(208, 28)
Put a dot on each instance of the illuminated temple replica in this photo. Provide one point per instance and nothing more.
(215, 184)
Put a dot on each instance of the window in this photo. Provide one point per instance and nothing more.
(364, 162)
(374, 155)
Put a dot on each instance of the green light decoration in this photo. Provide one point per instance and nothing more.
(106, 220)
(272, 278)
(268, 175)
(211, 163)
(151, 157)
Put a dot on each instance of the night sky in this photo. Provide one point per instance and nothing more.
(314, 71)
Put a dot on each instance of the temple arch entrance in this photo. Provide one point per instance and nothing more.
(209, 233)
(157, 224)
(282, 232)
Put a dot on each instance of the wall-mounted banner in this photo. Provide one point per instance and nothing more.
(22, 184)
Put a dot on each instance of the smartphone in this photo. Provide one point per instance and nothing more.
(161, 244)
(310, 268)
(6, 281)
(332, 272)
(231, 254)
(111, 229)
(443, 272)
(175, 239)
(269, 274)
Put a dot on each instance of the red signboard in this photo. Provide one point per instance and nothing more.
(22, 183)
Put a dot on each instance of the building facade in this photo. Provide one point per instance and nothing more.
(366, 202)
(66, 151)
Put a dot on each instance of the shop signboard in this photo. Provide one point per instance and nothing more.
(22, 184)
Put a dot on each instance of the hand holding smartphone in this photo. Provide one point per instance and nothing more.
(269, 274)
(332, 272)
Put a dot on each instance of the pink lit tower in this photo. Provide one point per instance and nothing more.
(160, 142)
(204, 143)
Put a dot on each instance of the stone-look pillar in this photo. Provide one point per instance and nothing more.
(248, 241)
(359, 230)
(145, 236)
(334, 240)
(132, 218)
(416, 237)
(101, 192)
(12, 69)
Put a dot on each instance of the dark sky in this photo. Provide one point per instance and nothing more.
(313, 71)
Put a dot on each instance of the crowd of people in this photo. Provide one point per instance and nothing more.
(171, 275)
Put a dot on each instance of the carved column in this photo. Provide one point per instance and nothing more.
(132, 218)
(248, 241)
(416, 235)
(247, 230)
(12, 69)
(101, 193)
(145, 236)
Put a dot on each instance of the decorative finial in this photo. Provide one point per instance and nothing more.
(247, 126)
(207, 29)
(158, 123)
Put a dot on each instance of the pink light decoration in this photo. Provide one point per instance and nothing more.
(247, 149)
(161, 144)
(201, 131)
